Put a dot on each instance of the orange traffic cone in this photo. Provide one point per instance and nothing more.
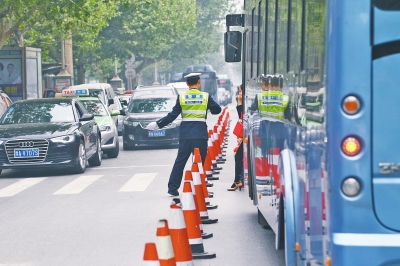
(150, 256)
(197, 159)
(201, 204)
(208, 166)
(179, 236)
(164, 245)
(192, 226)
(189, 178)
(203, 175)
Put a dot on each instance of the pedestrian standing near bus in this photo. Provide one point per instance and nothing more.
(237, 183)
(193, 106)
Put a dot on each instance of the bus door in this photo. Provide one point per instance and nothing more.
(385, 112)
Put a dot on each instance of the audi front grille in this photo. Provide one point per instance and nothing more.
(41, 144)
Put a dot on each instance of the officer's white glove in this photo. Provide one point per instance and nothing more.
(152, 126)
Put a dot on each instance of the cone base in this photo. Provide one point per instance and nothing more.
(211, 195)
(210, 184)
(215, 172)
(213, 178)
(209, 221)
(205, 255)
(211, 207)
(206, 235)
(216, 168)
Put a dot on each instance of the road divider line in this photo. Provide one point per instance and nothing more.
(78, 185)
(139, 182)
(19, 186)
(132, 166)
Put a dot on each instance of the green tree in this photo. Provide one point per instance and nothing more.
(50, 19)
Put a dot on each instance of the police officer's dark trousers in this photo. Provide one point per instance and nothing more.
(186, 148)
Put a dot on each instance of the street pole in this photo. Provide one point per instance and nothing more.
(155, 75)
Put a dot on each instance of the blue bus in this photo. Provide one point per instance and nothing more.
(324, 176)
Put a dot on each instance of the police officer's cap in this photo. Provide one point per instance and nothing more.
(192, 76)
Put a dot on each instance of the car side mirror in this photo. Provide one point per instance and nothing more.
(110, 101)
(124, 102)
(122, 112)
(233, 46)
(86, 117)
(115, 112)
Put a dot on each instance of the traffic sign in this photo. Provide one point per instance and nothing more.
(130, 73)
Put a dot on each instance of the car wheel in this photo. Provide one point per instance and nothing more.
(1, 171)
(80, 167)
(97, 156)
(114, 152)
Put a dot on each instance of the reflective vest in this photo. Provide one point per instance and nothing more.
(194, 105)
(272, 104)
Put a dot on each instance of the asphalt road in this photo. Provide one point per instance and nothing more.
(106, 215)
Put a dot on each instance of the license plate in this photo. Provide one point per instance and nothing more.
(26, 153)
(157, 133)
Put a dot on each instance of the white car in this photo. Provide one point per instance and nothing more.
(181, 87)
(223, 96)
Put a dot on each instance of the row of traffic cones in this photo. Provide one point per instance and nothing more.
(180, 239)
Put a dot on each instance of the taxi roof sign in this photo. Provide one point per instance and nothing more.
(75, 92)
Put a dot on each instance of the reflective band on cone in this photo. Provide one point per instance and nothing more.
(201, 204)
(197, 159)
(150, 257)
(192, 226)
(179, 237)
(189, 178)
(164, 244)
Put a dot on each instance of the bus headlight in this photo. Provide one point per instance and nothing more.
(351, 187)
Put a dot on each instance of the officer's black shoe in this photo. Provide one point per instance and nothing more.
(173, 193)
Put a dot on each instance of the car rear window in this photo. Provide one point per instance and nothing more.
(167, 91)
(151, 105)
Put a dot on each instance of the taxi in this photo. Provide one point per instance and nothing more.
(53, 132)
(108, 130)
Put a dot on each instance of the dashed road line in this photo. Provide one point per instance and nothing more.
(78, 185)
(139, 182)
(19, 186)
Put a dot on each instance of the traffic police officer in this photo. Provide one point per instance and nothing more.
(193, 105)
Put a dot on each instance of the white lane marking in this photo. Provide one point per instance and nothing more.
(132, 166)
(78, 185)
(139, 182)
(367, 240)
(19, 186)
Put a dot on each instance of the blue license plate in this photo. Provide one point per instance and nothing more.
(26, 153)
(157, 133)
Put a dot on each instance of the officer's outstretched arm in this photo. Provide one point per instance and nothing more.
(213, 106)
(171, 116)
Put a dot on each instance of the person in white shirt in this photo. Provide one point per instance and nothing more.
(10, 77)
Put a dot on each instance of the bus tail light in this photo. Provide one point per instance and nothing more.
(351, 146)
(351, 105)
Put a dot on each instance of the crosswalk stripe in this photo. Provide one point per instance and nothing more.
(139, 182)
(78, 185)
(19, 186)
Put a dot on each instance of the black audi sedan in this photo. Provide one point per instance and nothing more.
(53, 132)
(145, 109)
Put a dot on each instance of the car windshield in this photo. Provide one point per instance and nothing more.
(151, 105)
(97, 93)
(167, 91)
(38, 112)
(95, 107)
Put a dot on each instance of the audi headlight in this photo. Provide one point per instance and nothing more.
(64, 139)
(105, 128)
(1, 141)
